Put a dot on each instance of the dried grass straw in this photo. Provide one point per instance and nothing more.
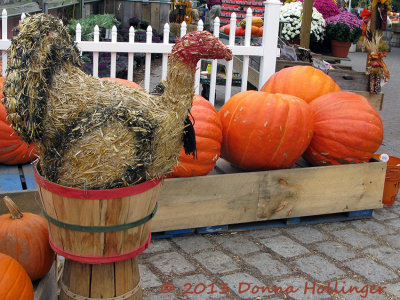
(175, 28)
(91, 133)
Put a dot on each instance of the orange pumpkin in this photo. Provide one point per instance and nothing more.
(25, 237)
(305, 82)
(239, 31)
(347, 129)
(15, 283)
(124, 82)
(12, 149)
(260, 32)
(255, 30)
(264, 131)
(208, 131)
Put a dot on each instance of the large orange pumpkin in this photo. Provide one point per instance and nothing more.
(264, 131)
(25, 237)
(305, 82)
(208, 131)
(347, 129)
(15, 283)
(12, 150)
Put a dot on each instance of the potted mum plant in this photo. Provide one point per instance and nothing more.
(343, 29)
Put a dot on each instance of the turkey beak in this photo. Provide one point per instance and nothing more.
(228, 54)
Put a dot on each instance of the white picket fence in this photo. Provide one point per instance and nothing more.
(268, 50)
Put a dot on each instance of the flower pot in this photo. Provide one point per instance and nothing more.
(392, 180)
(294, 42)
(340, 49)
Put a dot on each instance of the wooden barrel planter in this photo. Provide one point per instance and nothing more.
(99, 232)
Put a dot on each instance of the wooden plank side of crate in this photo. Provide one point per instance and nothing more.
(247, 197)
(349, 79)
(375, 99)
(253, 196)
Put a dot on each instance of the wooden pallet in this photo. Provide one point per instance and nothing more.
(229, 199)
(18, 183)
(280, 223)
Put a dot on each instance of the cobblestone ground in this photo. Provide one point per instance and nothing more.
(357, 259)
(300, 260)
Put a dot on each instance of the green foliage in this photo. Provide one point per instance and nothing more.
(106, 21)
(396, 5)
(341, 32)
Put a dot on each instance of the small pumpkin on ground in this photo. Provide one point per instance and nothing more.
(15, 283)
(347, 129)
(255, 21)
(239, 31)
(13, 150)
(25, 237)
(264, 131)
(208, 131)
(305, 82)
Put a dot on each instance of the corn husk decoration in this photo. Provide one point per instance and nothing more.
(376, 66)
(94, 133)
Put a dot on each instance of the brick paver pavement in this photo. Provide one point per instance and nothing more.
(356, 259)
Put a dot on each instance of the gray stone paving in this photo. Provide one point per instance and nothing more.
(238, 244)
(371, 270)
(192, 244)
(267, 265)
(284, 246)
(216, 261)
(361, 257)
(354, 238)
(306, 234)
(335, 250)
(319, 268)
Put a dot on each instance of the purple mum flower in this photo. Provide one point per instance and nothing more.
(345, 17)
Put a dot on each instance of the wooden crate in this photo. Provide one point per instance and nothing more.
(229, 196)
(232, 197)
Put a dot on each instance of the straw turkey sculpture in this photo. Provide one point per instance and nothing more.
(94, 133)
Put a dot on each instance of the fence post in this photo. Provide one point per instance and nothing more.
(165, 55)
(229, 68)
(4, 24)
(149, 38)
(78, 33)
(200, 27)
(96, 39)
(113, 67)
(214, 66)
(131, 55)
(183, 28)
(269, 40)
(246, 58)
